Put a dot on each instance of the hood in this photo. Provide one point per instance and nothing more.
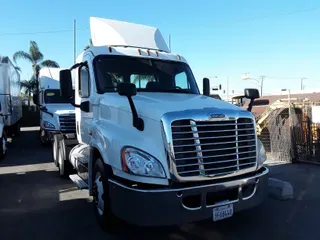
(154, 105)
(62, 108)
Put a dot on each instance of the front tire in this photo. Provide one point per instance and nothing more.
(3, 147)
(65, 167)
(102, 204)
(17, 130)
(43, 137)
(55, 148)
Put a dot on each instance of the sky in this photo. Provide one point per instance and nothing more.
(221, 39)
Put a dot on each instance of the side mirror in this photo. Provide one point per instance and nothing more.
(85, 106)
(206, 87)
(66, 83)
(251, 93)
(35, 98)
(127, 89)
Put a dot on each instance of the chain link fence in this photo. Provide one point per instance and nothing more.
(289, 133)
(306, 134)
(276, 136)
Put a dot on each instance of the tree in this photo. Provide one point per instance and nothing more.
(17, 68)
(35, 57)
(29, 86)
(89, 45)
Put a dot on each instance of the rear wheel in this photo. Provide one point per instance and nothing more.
(106, 219)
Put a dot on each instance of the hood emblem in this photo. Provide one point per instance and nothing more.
(217, 116)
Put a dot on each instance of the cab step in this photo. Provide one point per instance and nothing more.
(80, 183)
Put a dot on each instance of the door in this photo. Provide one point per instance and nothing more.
(82, 94)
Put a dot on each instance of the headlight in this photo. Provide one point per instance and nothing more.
(262, 156)
(48, 125)
(140, 163)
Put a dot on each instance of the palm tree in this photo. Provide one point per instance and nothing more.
(29, 86)
(18, 68)
(35, 57)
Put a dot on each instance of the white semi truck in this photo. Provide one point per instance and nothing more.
(10, 102)
(149, 147)
(57, 115)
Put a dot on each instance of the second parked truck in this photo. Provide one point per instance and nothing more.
(149, 147)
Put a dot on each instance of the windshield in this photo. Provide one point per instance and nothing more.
(53, 96)
(149, 75)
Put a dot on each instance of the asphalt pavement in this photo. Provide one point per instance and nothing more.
(36, 204)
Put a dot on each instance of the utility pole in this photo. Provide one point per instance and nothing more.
(261, 84)
(301, 83)
(227, 88)
(169, 42)
(74, 41)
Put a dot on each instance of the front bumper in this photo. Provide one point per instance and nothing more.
(174, 206)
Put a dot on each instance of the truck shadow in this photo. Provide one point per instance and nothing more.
(26, 149)
(40, 205)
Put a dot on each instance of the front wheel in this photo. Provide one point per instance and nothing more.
(65, 167)
(3, 147)
(55, 148)
(106, 219)
(17, 130)
(43, 137)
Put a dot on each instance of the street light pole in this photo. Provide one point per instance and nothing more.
(245, 76)
(301, 83)
(290, 120)
(261, 84)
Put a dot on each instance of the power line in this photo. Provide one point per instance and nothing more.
(246, 20)
(41, 32)
(275, 15)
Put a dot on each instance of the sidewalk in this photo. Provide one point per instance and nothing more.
(304, 178)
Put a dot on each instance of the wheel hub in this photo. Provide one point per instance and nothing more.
(98, 194)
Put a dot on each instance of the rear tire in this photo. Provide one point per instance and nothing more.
(101, 200)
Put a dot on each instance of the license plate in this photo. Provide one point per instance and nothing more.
(222, 212)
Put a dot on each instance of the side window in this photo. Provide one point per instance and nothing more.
(84, 82)
(181, 80)
(141, 81)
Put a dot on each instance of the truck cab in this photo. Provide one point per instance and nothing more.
(57, 115)
(146, 135)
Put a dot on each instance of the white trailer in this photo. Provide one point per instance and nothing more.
(11, 102)
(57, 115)
(149, 147)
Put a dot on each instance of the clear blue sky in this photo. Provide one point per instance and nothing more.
(218, 37)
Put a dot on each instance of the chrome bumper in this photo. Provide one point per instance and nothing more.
(173, 206)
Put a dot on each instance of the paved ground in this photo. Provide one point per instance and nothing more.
(36, 204)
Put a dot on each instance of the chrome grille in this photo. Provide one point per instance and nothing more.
(68, 123)
(211, 148)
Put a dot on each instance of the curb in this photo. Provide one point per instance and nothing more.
(279, 189)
